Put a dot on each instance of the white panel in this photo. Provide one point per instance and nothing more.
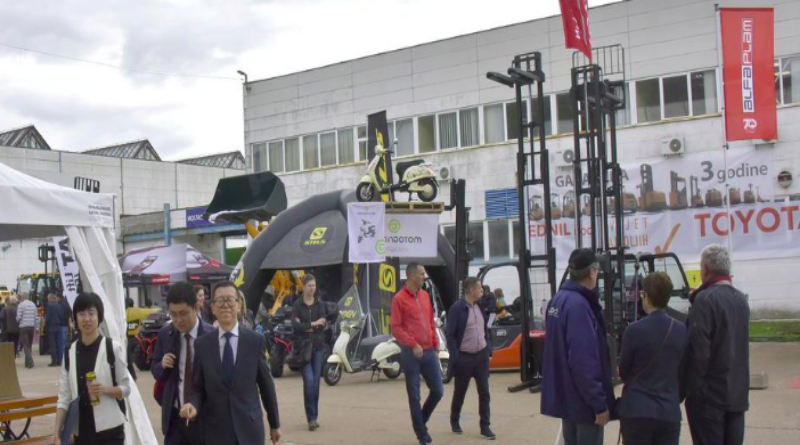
(382, 73)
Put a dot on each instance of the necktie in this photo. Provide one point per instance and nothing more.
(227, 360)
(187, 370)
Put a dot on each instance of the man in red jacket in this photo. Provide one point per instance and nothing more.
(413, 327)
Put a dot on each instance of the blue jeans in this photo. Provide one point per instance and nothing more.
(428, 367)
(312, 371)
(581, 433)
(52, 343)
(63, 331)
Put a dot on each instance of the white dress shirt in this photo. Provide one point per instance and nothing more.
(182, 362)
(234, 341)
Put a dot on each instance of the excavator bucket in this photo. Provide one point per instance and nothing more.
(238, 199)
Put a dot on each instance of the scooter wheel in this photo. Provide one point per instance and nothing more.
(431, 189)
(365, 192)
(332, 373)
(445, 364)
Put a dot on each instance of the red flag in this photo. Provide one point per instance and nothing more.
(575, 15)
(748, 52)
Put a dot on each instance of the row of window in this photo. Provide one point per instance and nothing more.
(493, 240)
(655, 99)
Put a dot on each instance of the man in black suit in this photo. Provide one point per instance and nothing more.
(172, 364)
(230, 371)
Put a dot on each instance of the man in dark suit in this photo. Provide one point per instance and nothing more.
(172, 364)
(230, 371)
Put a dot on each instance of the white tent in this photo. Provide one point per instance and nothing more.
(32, 208)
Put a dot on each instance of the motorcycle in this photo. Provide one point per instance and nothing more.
(145, 342)
(415, 177)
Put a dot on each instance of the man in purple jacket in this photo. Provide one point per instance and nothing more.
(577, 371)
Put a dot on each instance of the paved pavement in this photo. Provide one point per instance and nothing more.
(358, 411)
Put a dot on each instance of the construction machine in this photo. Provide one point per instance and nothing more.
(536, 208)
(697, 200)
(556, 205)
(749, 196)
(736, 196)
(650, 200)
(714, 198)
(569, 204)
(677, 194)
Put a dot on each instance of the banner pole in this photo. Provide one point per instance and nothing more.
(721, 92)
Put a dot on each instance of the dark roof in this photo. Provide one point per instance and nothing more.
(233, 159)
(141, 149)
(24, 137)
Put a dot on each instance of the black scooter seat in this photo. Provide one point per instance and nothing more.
(405, 165)
(371, 342)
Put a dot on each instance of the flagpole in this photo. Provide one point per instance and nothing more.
(721, 82)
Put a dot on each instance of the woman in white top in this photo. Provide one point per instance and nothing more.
(101, 422)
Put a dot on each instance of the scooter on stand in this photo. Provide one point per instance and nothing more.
(416, 177)
(444, 354)
(352, 353)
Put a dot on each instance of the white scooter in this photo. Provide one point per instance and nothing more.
(352, 353)
(444, 354)
(416, 176)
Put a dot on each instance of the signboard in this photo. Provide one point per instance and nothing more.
(411, 235)
(679, 205)
(749, 73)
(378, 134)
(575, 17)
(68, 268)
(194, 218)
(365, 227)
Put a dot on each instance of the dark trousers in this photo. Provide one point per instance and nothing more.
(650, 432)
(56, 344)
(710, 426)
(471, 366)
(179, 433)
(312, 371)
(429, 368)
(13, 338)
(581, 433)
(26, 338)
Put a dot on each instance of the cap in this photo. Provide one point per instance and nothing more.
(581, 259)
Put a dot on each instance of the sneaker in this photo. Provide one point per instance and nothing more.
(487, 433)
(316, 424)
(456, 427)
(428, 438)
(312, 425)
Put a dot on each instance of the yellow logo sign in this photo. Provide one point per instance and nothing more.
(386, 274)
(318, 233)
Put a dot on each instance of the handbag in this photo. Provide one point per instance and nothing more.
(70, 422)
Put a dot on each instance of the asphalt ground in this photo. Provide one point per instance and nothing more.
(360, 411)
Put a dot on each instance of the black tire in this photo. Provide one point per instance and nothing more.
(445, 370)
(140, 359)
(428, 197)
(389, 373)
(332, 373)
(276, 359)
(294, 368)
(365, 192)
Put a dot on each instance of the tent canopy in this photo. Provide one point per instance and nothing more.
(170, 264)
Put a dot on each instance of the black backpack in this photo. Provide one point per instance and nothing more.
(111, 359)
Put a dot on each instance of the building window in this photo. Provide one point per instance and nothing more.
(427, 133)
(327, 149)
(676, 96)
(362, 143)
(259, 157)
(276, 157)
(450, 235)
(512, 120)
(788, 80)
(469, 127)
(493, 123)
(310, 152)
(448, 131)
(548, 119)
(648, 103)
(704, 92)
(346, 146)
(475, 245)
(403, 131)
(498, 239)
(564, 113)
(515, 238)
(623, 115)
(292, 154)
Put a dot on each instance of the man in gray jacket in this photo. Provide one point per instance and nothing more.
(26, 317)
(717, 362)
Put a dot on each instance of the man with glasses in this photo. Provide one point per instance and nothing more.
(230, 372)
(577, 371)
(172, 364)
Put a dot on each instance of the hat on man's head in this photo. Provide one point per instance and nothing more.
(581, 259)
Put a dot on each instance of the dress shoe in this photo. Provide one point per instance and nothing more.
(456, 427)
(53, 365)
(487, 433)
(428, 438)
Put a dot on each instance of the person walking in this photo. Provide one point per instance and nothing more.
(173, 360)
(202, 304)
(101, 408)
(52, 328)
(717, 372)
(26, 318)
(469, 346)
(63, 335)
(308, 321)
(230, 371)
(650, 365)
(576, 386)
(12, 326)
(414, 329)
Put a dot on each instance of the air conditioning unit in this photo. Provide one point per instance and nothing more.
(673, 146)
(564, 157)
(444, 172)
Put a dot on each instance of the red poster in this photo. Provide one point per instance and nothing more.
(575, 15)
(748, 53)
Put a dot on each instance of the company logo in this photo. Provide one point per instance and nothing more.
(387, 281)
(380, 247)
(318, 233)
(552, 312)
(748, 75)
(394, 225)
(315, 239)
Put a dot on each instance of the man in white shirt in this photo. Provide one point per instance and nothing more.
(26, 318)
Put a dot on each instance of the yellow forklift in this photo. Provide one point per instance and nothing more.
(677, 194)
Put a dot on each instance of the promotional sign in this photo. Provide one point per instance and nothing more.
(194, 218)
(575, 16)
(365, 227)
(679, 205)
(67, 267)
(749, 73)
(378, 134)
(411, 235)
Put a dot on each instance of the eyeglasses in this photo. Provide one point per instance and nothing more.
(230, 302)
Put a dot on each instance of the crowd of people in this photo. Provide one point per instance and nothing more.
(212, 377)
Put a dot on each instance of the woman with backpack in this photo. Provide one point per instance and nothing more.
(94, 374)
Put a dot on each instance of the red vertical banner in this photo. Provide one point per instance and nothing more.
(748, 70)
(575, 16)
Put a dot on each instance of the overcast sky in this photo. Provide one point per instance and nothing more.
(78, 105)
